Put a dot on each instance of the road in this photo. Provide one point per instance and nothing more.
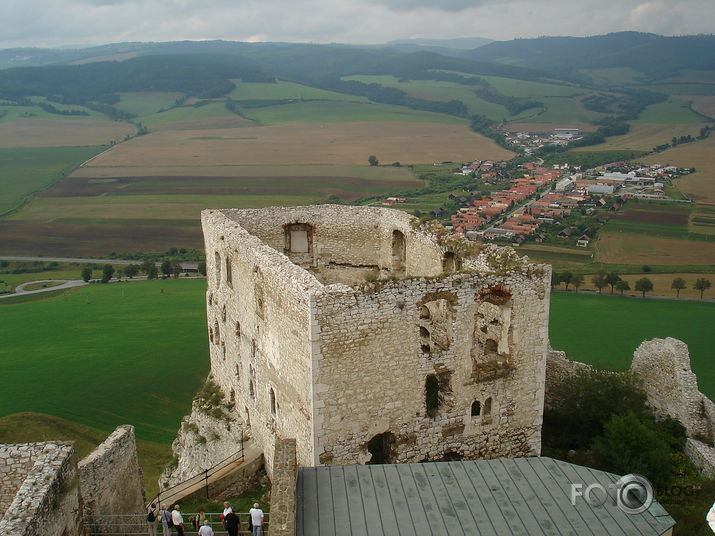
(637, 296)
(66, 283)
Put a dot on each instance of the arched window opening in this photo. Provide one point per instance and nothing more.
(424, 313)
(476, 409)
(488, 407)
(272, 396)
(211, 334)
(232, 398)
(217, 264)
(253, 347)
(432, 395)
(251, 389)
(425, 348)
(399, 249)
(238, 328)
(217, 332)
(490, 347)
(449, 262)
(229, 271)
(223, 314)
(238, 372)
(424, 333)
(382, 449)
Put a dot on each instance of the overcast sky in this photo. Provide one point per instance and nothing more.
(93, 22)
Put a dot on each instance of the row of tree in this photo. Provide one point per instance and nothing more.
(148, 267)
(603, 279)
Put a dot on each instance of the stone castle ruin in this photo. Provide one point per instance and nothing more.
(368, 336)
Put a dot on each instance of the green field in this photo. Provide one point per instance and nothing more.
(286, 90)
(27, 170)
(105, 355)
(24, 112)
(148, 103)
(186, 113)
(562, 110)
(439, 91)
(671, 112)
(614, 76)
(342, 112)
(536, 90)
(34, 427)
(605, 330)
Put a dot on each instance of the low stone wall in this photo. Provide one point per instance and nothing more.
(664, 367)
(558, 368)
(47, 501)
(110, 478)
(285, 472)
(702, 456)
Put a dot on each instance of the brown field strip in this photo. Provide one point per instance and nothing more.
(334, 143)
(61, 132)
(644, 136)
(223, 121)
(548, 127)
(699, 186)
(655, 216)
(625, 248)
(704, 104)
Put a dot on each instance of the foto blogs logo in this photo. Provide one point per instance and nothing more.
(633, 494)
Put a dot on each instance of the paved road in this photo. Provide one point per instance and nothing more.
(66, 283)
(61, 259)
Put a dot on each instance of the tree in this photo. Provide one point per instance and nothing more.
(86, 274)
(644, 285)
(152, 272)
(622, 286)
(107, 273)
(555, 279)
(677, 285)
(567, 277)
(147, 265)
(702, 285)
(577, 280)
(175, 269)
(599, 280)
(166, 268)
(131, 270)
(611, 279)
(202, 268)
(372, 159)
(632, 444)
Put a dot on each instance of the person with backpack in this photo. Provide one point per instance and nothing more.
(151, 519)
(232, 523)
(165, 517)
(199, 518)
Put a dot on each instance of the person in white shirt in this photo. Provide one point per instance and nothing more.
(256, 520)
(710, 518)
(178, 520)
(206, 530)
(226, 510)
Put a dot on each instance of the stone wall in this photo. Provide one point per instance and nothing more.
(664, 367)
(302, 347)
(110, 478)
(558, 368)
(283, 489)
(46, 500)
(205, 438)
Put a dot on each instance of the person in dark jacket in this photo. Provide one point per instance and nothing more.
(232, 523)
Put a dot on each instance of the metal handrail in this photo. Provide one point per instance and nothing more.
(137, 525)
(204, 475)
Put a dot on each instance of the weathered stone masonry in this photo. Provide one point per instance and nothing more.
(441, 356)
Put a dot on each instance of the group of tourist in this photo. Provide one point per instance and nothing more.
(172, 518)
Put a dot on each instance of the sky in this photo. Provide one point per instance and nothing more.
(63, 23)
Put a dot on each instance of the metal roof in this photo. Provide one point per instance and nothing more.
(522, 496)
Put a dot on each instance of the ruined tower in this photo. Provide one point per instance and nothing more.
(368, 336)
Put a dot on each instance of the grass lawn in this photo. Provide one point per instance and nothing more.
(537, 90)
(286, 90)
(24, 170)
(340, 112)
(15, 113)
(34, 427)
(561, 110)
(146, 103)
(671, 112)
(605, 330)
(105, 355)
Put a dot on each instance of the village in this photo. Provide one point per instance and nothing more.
(561, 203)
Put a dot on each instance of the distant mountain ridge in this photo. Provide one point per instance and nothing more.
(653, 55)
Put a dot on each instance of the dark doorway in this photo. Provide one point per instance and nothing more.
(382, 448)
(398, 252)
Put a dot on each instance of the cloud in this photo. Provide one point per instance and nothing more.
(72, 22)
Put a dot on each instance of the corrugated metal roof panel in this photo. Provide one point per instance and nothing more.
(521, 497)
